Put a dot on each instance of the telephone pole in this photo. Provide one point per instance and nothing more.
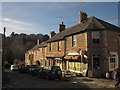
(3, 54)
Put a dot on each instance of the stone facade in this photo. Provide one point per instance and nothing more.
(55, 56)
(29, 58)
(109, 44)
(73, 56)
(36, 55)
(92, 45)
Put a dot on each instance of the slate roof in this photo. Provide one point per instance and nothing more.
(34, 48)
(42, 44)
(91, 23)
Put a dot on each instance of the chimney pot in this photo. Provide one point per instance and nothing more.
(61, 27)
(52, 33)
(82, 16)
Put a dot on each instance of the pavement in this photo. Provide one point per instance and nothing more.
(91, 82)
(18, 80)
(97, 82)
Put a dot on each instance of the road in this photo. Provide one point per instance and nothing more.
(19, 80)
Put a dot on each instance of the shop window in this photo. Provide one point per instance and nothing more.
(77, 66)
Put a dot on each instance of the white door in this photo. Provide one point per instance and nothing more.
(113, 61)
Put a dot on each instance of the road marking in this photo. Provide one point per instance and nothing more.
(73, 82)
(8, 86)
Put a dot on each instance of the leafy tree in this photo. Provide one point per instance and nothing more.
(17, 44)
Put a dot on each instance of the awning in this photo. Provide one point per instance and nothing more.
(72, 57)
(76, 58)
(59, 56)
(72, 53)
(55, 56)
(50, 56)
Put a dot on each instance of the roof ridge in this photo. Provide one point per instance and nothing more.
(94, 19)
(89, 21)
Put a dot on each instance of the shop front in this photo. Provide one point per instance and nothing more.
(56, 60)
(77, 63)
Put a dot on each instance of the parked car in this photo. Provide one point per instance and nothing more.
(21, 69)
(40, 72)
(51, 72)
(14, 67)
(27, 69)
(34, 69)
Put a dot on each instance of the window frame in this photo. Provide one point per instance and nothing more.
(74, 40)
(95, 37)
(50, 49)
(59, 45)
(113, 61)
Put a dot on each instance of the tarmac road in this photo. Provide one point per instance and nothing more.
(19, 80)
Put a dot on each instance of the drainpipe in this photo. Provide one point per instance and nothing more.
(65, 51)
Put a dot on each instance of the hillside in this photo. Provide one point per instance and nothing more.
(17, 44)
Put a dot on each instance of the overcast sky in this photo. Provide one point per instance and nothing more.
(38, 17)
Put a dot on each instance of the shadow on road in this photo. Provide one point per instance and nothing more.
(24, 81)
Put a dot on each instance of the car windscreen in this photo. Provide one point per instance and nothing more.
(34, 66)
(56, 68)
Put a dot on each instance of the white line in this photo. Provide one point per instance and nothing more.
(8, 86)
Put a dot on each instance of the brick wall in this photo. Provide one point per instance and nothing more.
(108, 42)
(81, 40)
(55, 48)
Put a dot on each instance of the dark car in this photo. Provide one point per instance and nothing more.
(51, 72)
(34, 69)
(40, 72)
(21, 69)
(27, 69)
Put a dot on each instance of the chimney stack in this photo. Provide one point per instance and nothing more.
(52, 33)
(82, 16)
(38, 42)
(61, 27)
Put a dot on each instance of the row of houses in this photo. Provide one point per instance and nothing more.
(93, 44)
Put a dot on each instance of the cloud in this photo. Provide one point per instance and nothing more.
(15, 21)
(16, 26)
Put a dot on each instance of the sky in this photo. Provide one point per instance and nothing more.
(43, 17)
